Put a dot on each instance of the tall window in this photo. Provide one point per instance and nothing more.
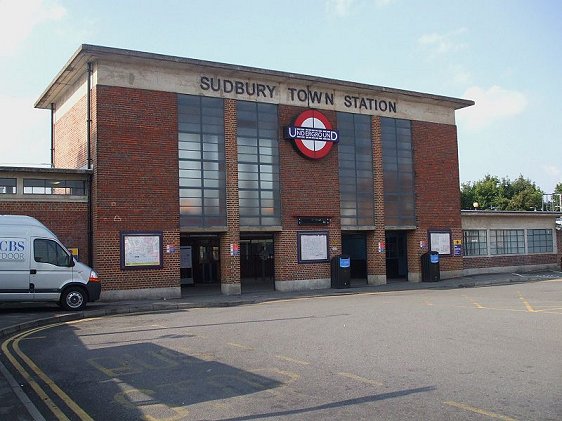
(258, 164)
(398, 172)
(355, 153)
(202, 177)
(475, 243)
(539, 241)
(507, 241)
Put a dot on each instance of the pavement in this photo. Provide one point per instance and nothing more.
(19, 317)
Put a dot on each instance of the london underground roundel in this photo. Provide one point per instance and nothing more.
(312, 134)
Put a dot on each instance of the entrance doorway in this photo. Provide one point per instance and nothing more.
(396, 255)
(256, 262)
(355, 246)
(204, 253)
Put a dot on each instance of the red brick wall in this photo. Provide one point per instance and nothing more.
(230, 265)
(518, 260)
(70, 137)
(376, 262)
(135, 181)
(436, 168)
(308, 188)
(67, 220)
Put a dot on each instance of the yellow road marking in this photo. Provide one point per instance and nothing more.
(236, 345)
(292, 360)
(360, 379)
(38, 390)
(52, 385)
(58, 391)
(477, 305)
(528, 306)
(478, 411)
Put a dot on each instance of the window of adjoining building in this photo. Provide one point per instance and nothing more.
(539, 241)
(258, 164)
(507, 241)
(8, 185)
(54, 187)
(475, 243)
(355, 154)
(202, 174)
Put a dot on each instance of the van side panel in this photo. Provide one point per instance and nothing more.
(14, 269)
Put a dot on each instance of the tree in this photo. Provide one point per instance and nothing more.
(492, 193)
(558, 188)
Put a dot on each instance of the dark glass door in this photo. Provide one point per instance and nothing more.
(396, 255)
(355, 246)
(256, 261)
(205, 255)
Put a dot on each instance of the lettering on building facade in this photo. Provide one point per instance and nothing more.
(303, 96)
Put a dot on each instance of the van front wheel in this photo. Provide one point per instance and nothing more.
(74, 299)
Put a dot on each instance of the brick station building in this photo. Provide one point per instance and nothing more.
(210, 173)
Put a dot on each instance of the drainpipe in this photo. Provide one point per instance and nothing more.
(52, 134)
(89, 158)
(89, 115)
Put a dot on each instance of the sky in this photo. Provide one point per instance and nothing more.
(506, 55)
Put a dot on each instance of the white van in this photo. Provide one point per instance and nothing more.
(35, 266)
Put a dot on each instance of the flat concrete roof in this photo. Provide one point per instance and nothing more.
(76, 67)
(500, 213)
(43, 170)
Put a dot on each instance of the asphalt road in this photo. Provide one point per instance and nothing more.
(466, 354)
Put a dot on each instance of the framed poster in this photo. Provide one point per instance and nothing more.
(185, 257)
(312, 246)
(141, 250)
(440, 241)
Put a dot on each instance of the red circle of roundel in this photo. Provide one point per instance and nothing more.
(313, 149)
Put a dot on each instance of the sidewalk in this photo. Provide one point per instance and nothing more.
(17, 317)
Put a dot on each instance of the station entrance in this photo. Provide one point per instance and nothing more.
(257, 262)
(355, 246)
(396, 255)
(200, 260)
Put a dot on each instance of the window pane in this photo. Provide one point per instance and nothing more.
(201, 147)
(398, 171)
(355, 169)
(258, 163)
(8, 185)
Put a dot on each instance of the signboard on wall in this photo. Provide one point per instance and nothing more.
(312, 246)
(312, 134)
(141, 250)
(440, 241)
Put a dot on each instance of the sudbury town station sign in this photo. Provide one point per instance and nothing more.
(304, 96)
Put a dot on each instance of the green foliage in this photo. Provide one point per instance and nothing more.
(505, 194)
(558, 188)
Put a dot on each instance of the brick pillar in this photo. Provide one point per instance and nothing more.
(230, 265)
(376, 261)
(436, 168)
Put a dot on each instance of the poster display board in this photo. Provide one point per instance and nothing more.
(440, 241)
(312, 246)
(141, 250)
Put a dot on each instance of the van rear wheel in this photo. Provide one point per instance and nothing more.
(74, 299)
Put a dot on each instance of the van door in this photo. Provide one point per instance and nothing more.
(49, 269)
(14, 269)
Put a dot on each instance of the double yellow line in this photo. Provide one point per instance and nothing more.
(14, 341)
